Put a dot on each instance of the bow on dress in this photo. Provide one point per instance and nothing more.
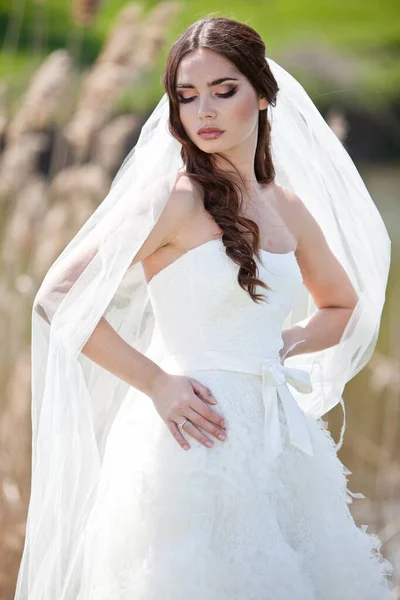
(275, 378)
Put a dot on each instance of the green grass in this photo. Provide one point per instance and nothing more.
(367, 32)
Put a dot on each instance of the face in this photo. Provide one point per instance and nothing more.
(212, 93)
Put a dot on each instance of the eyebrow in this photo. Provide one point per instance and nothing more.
(209, 84)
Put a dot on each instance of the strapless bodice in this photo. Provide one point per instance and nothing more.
(199, 304)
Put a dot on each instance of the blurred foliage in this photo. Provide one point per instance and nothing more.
(365, 35)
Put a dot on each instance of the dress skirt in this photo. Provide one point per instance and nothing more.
(224, 523)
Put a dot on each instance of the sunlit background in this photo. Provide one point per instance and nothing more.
(77, 80)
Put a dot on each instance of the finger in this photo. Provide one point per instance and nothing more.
(176, 432)
(200, 421)
(207, 412)
(197, 434)
(203, 391)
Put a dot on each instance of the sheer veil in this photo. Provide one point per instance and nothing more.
(74, 401)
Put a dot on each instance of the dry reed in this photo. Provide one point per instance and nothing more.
(84, 11)
(39, 216)
(48, 89)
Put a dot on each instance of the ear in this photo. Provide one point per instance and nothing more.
(262, 103)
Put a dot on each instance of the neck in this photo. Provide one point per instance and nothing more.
(251, 188)
(242, 158)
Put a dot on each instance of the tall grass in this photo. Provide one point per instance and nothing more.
(61, 150)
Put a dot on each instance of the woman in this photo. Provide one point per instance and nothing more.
(170, 458)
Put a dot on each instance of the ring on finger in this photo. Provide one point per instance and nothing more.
(180, 425)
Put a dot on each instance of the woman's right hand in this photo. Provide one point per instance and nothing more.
(177, 398)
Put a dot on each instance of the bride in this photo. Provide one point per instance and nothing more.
(187, 343)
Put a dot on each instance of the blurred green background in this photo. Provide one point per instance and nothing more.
(77, 80)
(360, 38)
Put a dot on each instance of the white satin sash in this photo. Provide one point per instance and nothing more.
(275, 379)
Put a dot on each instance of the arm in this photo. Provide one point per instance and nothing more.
(175, 397)
(107, 349)
(105, 346)
(327, 281)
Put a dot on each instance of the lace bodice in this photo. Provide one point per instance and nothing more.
(198, 302)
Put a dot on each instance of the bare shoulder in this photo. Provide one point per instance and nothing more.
(180, 207)
(322, 273)
(307, 229)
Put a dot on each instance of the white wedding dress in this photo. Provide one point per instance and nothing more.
(261, 516)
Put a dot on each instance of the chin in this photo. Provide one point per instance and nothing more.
(213, 148)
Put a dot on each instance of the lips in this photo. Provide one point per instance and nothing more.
(209, 133)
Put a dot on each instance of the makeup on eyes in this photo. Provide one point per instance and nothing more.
(228, 94)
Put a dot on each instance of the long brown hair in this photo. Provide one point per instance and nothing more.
(222, 195)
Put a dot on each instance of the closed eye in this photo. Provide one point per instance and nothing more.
(231, 92)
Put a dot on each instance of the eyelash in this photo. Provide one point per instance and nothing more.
(231, 92)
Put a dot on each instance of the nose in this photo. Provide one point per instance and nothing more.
(206, 109)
